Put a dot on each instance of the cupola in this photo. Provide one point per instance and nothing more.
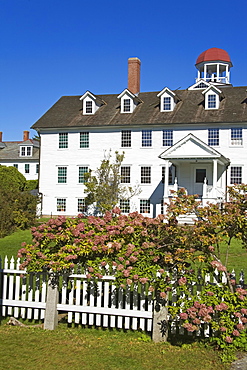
(213, 66)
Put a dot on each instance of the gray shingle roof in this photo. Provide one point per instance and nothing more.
(12, 149)
(67, 111)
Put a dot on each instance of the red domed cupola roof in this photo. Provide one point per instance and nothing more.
(214, 54)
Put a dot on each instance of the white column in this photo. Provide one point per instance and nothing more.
(218, 72)
(166, 179)
(215, 177)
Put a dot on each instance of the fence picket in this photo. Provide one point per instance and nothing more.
(100, 304)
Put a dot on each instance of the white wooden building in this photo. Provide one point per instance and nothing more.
(194, 138)
(24, 155)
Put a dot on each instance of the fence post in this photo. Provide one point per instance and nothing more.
(51, 315)
(160, 320)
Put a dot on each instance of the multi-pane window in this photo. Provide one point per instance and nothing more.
(61, 204)
(126, 139)
(167, 137)
(146, 138)
(15, 165)
(81, 206)
(170, 175)
(63, 140)
(126, 105)
(84, 139)
(62, 175)
(125, 174)
(213, 136)
(211, 101)
(37, 168)
(82, 171)
(145, 175)
(236, 136)
(124, 205)
(89, 106)
(144, 206)
(27, 168)
(167, 103)
(236, 175)
(26, 151)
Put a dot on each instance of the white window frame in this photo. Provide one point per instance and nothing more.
(81, 205)
(125, 175)
(27, 168)
(146, 138)
(167, 138)
(61, 204)
(236, 136)
(126, 139)
(63, 140)
(213, 137)
(145, 206)
(62, 174)
(165, 94)
(84, 140)
(81, 177)
(146, 175)
(238, 175)
(26, 151)
(124, 205)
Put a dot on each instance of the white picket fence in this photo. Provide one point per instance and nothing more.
(102, 304)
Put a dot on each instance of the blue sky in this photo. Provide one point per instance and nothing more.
(51, 48)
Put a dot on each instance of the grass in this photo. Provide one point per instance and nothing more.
(35, 348)
(9, 245)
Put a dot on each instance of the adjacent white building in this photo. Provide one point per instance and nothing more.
(194, 138)
(24, 155)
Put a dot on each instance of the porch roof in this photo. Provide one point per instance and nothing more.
(192, 148)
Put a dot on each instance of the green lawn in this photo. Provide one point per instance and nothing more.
(35, 348)
(9, 245)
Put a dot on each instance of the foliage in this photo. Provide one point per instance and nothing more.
(103, 186)
(31, 185)
(11, 179)
(157, 251)
(18, 207)
(223, 311)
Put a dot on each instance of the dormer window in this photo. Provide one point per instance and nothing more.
(167, 103)
(168, 100)
(89, 107)
(26, 151)
(212, 97)
(90, 103)
(126, 105)
(128, 101)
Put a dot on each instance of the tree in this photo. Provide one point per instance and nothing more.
(103, 186)
(17, 205)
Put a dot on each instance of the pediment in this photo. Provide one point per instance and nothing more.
(190, 147)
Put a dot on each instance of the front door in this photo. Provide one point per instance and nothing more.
(199, 177)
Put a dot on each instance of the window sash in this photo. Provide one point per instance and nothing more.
(146, 138)
(213, 136)
(236, 175)
(126, 139)
(63, 140)
(84, 139)
(144, 205)
(124, 205)
(145, 175)
(167, 137)
(211, 101)
(81, 205)
(167, 103)
(126, 105)
(125, 175)
(236, 136)
(61, 205)
(82, 171)
(62, 175)
(27, 168)
(89, 107)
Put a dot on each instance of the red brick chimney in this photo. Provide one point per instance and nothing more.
(1, 136)
(134, 67)
(25, 135)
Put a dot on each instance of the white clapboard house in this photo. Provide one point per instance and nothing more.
(24, 155)
(194, 138)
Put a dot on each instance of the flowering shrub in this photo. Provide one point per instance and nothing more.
(225, 312)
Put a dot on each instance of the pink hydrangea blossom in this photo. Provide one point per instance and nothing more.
(228, 339)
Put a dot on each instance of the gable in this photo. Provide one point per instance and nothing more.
(190, 147)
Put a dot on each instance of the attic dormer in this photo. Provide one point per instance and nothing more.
(212, 97)
(168, 100)
(128, 101)
(90, 103)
